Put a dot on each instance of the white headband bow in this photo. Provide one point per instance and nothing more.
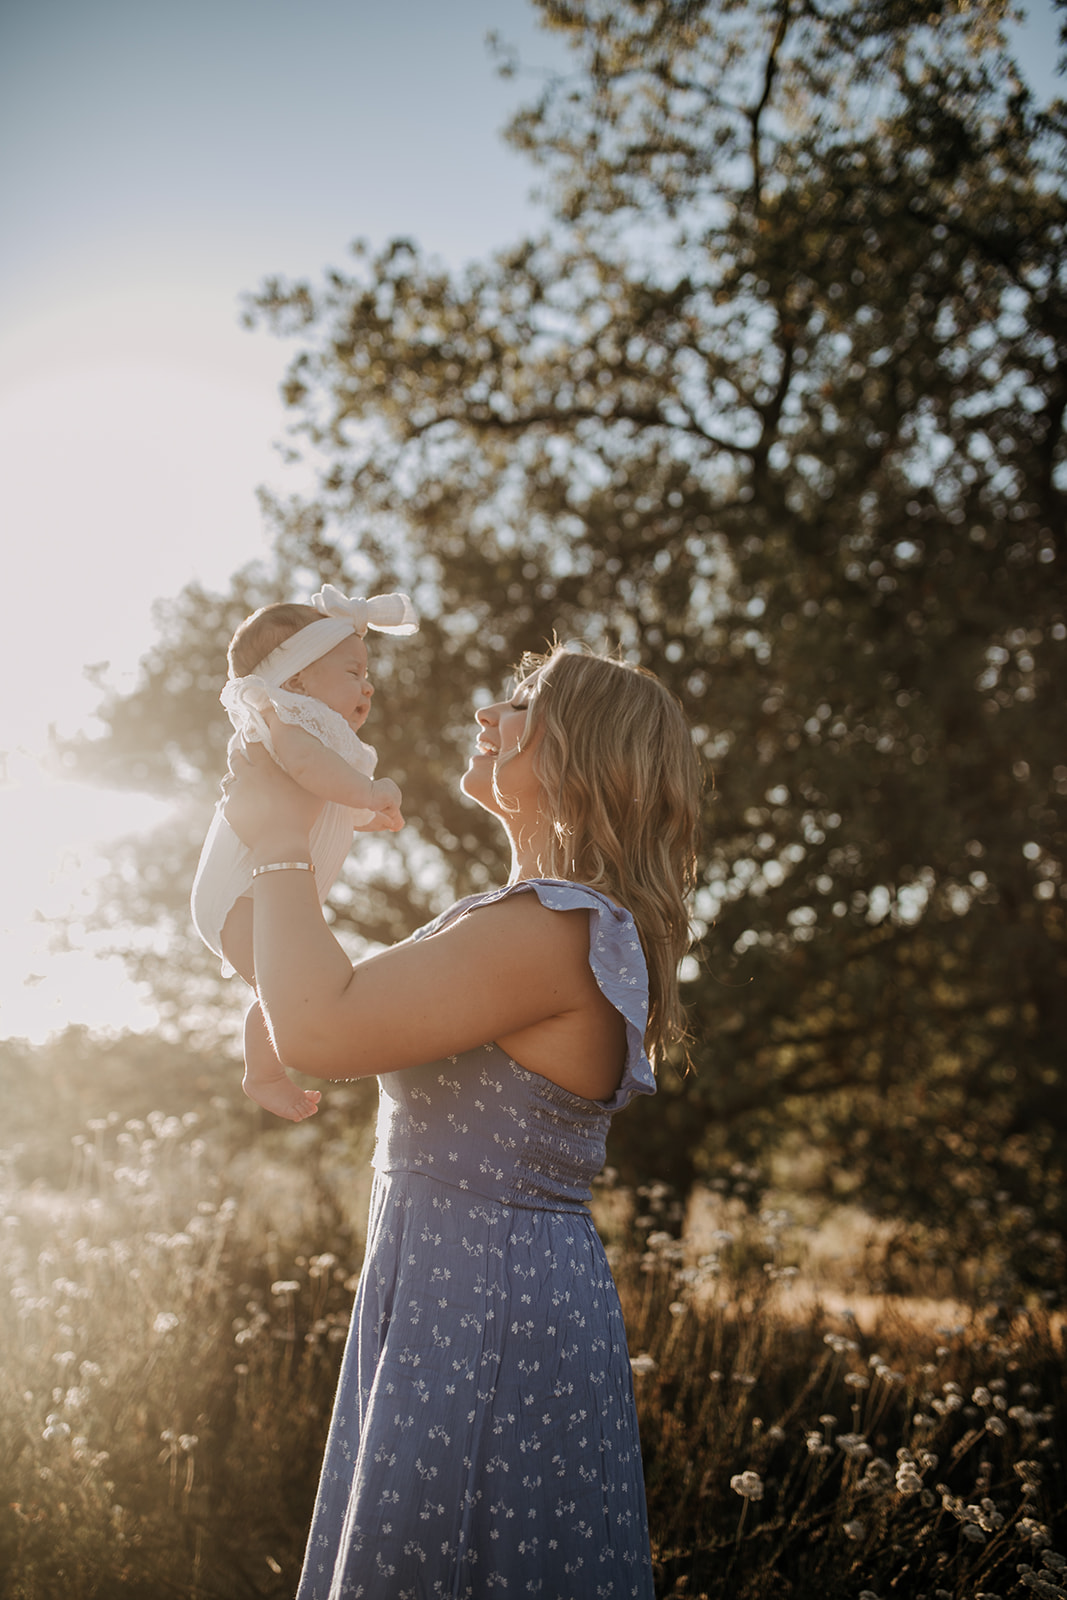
(385, 613)
(339, 617)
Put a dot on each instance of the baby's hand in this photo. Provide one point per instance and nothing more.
(388, 820)
(386, 800)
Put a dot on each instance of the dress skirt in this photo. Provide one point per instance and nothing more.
(484, 1440)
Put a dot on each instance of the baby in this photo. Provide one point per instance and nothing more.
(298, 685)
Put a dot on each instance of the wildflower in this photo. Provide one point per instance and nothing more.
(857, 1380)
(879, 1474)
(908, 1480)
(677, 1308)
(987, 1516)
(1042, 1586)
(285, 1286)
(973, 1532)
(854, 1445)
(55, 1428)
(165, 1322)
(996, 1426)
(747, 1484)
(642, 1364)
(856, 1529)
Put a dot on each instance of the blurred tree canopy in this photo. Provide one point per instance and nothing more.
(777, 405)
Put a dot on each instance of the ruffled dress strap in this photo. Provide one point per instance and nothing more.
(616, 959)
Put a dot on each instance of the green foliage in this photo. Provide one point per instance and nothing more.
(778, 408)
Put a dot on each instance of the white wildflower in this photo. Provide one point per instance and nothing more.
(747, 1484)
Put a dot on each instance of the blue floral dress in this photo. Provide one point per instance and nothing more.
(484, 1436)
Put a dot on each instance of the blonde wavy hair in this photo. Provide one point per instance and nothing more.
(621, 788)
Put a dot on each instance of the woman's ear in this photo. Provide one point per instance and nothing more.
(294, 685)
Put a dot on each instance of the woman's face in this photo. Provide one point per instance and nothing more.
(501, 774)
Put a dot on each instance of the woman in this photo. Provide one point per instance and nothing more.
(484, 1438)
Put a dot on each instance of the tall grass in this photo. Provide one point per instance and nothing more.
(172, 1321)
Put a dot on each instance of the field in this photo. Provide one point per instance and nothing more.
(176, 1291)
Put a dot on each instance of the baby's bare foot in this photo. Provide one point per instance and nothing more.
(282, 1097)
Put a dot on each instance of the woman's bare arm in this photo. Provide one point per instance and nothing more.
(493, 973)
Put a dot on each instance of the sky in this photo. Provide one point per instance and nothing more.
(157, 161)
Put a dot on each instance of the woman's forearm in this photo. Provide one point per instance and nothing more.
(301, 970)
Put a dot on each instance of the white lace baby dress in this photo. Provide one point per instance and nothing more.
(225, 869)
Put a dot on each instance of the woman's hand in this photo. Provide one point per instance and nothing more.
(266, 809)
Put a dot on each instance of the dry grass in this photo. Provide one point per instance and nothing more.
(172, 1324)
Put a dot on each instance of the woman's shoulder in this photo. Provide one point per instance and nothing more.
(612, 947)
(555, 894)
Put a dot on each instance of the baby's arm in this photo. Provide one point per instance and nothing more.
(325, 773)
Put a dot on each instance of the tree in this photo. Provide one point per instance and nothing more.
(777, 406)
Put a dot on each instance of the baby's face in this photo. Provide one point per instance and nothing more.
(339, 679)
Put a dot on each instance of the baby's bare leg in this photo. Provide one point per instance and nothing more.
(265, 1080)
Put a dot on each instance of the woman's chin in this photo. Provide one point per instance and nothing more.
(477, 784)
